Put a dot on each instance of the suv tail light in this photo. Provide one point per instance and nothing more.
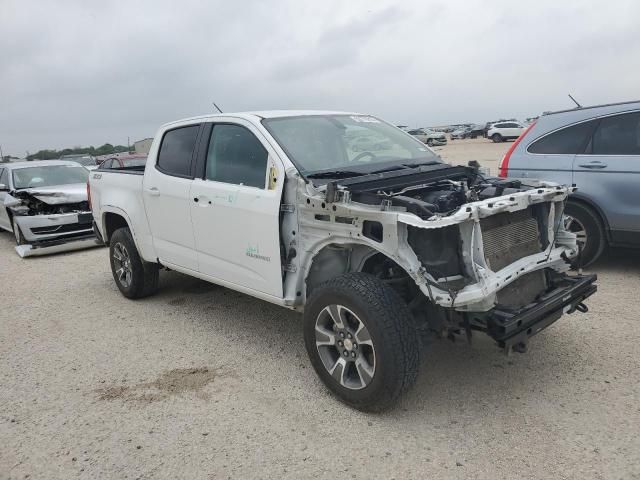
(504, 163)
(89, 195)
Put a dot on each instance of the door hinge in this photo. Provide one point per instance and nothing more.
(289, 267)
(288, 207)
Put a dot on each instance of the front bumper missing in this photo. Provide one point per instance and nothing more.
(514, 328)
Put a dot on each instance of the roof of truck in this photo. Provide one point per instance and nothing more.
(264, 114)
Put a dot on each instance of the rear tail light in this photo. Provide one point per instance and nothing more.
(89, 195)
(504, 163)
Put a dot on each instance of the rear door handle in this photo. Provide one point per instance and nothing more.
(153, 191)
(592, 165)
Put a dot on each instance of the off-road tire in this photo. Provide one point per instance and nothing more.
(497, 138)
(596, 238)
(144, 275)
(17, 233)
(388, 320)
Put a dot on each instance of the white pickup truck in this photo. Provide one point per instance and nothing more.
(376, 248)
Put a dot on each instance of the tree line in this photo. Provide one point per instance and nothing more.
(106, 149)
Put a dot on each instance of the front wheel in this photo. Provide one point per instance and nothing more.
(18, 234)
(430, 143)
(358, 336)
(134, 277)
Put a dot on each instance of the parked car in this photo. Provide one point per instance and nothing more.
(597, 149)
(372, 248)
(460, 133)
(125, 161)
(431, 138)
(499, 132)
(44, 204)
(87, 161)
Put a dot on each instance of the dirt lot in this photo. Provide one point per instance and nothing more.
(202, 382)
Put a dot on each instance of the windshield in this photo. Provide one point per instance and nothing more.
(363, 144)
(49, 176)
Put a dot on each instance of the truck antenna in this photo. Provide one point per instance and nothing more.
(218, 108)
(574, 101)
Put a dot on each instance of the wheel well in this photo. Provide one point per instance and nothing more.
(112, 222)
(335, 259)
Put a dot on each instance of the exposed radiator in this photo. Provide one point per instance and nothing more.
(508, 237)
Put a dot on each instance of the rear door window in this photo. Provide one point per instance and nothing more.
(176, 151)
(236, 156)
(618, 135)
(569, 140)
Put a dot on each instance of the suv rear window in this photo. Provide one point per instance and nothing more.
(618, 135)
(569, 140)
(176, 151)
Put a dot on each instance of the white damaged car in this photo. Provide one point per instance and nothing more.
(45, 205)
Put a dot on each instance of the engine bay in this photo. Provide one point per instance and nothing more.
(445, 192)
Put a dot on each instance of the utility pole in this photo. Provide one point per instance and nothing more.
(1, 155)
(128, 145)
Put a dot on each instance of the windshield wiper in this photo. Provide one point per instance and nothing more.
(403, 166)
(336, 174)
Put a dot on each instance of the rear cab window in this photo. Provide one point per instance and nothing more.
(176, 151)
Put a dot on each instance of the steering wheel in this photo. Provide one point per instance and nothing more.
(363, 155)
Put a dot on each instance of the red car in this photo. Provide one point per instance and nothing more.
(125, 161)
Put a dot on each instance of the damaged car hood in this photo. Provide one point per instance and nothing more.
(61, 194)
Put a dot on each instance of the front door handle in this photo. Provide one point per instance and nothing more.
(153, 191)
(592, 165)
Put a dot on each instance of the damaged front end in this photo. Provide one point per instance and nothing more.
(51, 220)
(465, 252)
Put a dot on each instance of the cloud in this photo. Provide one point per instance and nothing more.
(78, 73)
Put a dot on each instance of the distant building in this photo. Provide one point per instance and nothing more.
(143, 146)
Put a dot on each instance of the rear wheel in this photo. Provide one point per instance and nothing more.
(358, 336)
(497, 138)
(134, 277)
(586, 224)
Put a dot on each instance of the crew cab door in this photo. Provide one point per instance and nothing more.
(608, 173)
(235, 207)
(166, 192)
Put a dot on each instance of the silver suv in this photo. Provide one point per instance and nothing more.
(598, 150)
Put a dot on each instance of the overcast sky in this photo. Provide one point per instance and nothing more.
(85, 73)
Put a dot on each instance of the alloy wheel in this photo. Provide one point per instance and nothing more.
(573, 225)
(345, 347)
(122, 262)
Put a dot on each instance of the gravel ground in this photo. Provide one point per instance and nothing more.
(202, 382)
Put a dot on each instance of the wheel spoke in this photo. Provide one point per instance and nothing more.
(116, 253)
(120, 273)
(338, 371)
(337, 315)
(362, 335)
(365, 371)
(324, 337)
